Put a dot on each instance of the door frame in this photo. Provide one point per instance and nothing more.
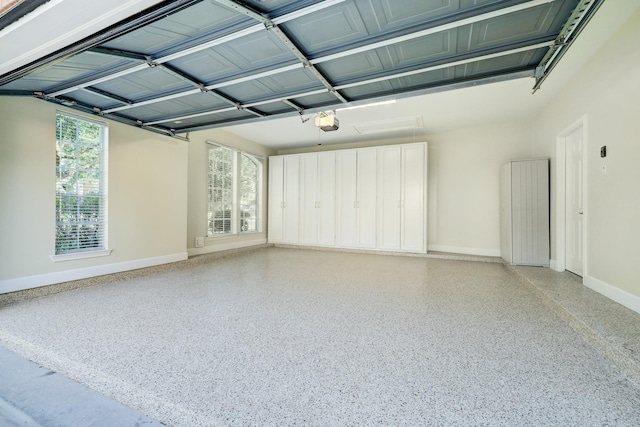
(561, 197)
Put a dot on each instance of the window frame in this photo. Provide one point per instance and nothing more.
(236, 220)
(211, 218)
(102, 249)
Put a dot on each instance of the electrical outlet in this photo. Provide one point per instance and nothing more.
(199, 242)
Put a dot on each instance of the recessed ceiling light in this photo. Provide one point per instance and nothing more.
(374, 104)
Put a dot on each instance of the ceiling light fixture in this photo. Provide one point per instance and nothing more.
(374, 104)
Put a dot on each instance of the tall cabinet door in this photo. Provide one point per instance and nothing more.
(346, 196)
(506, 249)
(284, 205)
(291, 205)
(413, 205)
(530, 212)
(327, 199)
(366, 197)
(389, 197)
(276, 199)
(309, 199)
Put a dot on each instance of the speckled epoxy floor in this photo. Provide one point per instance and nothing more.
(295, 337)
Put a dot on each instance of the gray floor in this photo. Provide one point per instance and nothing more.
(33, 396)
(295, 337)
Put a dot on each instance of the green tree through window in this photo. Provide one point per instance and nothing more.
(234, 186)
(220, 190)
(249, 179)
(80, 200)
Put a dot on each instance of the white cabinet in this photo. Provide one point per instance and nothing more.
(402, 198)
(317, 198)
(365, 198)
(524, 212)
(389, 197)
(413, 221)
(346, 189)
(356, 198)
(284, 193)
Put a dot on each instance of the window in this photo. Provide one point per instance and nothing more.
(234, 192)
(80, 185)
(249, 178)
(220, 190)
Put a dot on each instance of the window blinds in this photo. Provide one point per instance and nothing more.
(80, 186)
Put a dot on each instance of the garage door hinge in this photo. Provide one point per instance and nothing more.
(151, 63)
(268, 24)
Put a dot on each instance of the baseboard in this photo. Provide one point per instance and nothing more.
(29, 282)
(464, 250)
(616, 294)
(226, 245)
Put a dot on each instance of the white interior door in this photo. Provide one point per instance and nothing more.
(574, 194)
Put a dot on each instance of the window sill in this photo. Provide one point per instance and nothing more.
(233, 236)
(80, 255)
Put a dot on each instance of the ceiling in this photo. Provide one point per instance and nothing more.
(183, 66)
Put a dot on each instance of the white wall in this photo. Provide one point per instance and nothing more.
(464, 185)
(147, 203)
(197, 195)
(606, 90)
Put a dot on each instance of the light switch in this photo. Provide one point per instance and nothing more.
(603, 170)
